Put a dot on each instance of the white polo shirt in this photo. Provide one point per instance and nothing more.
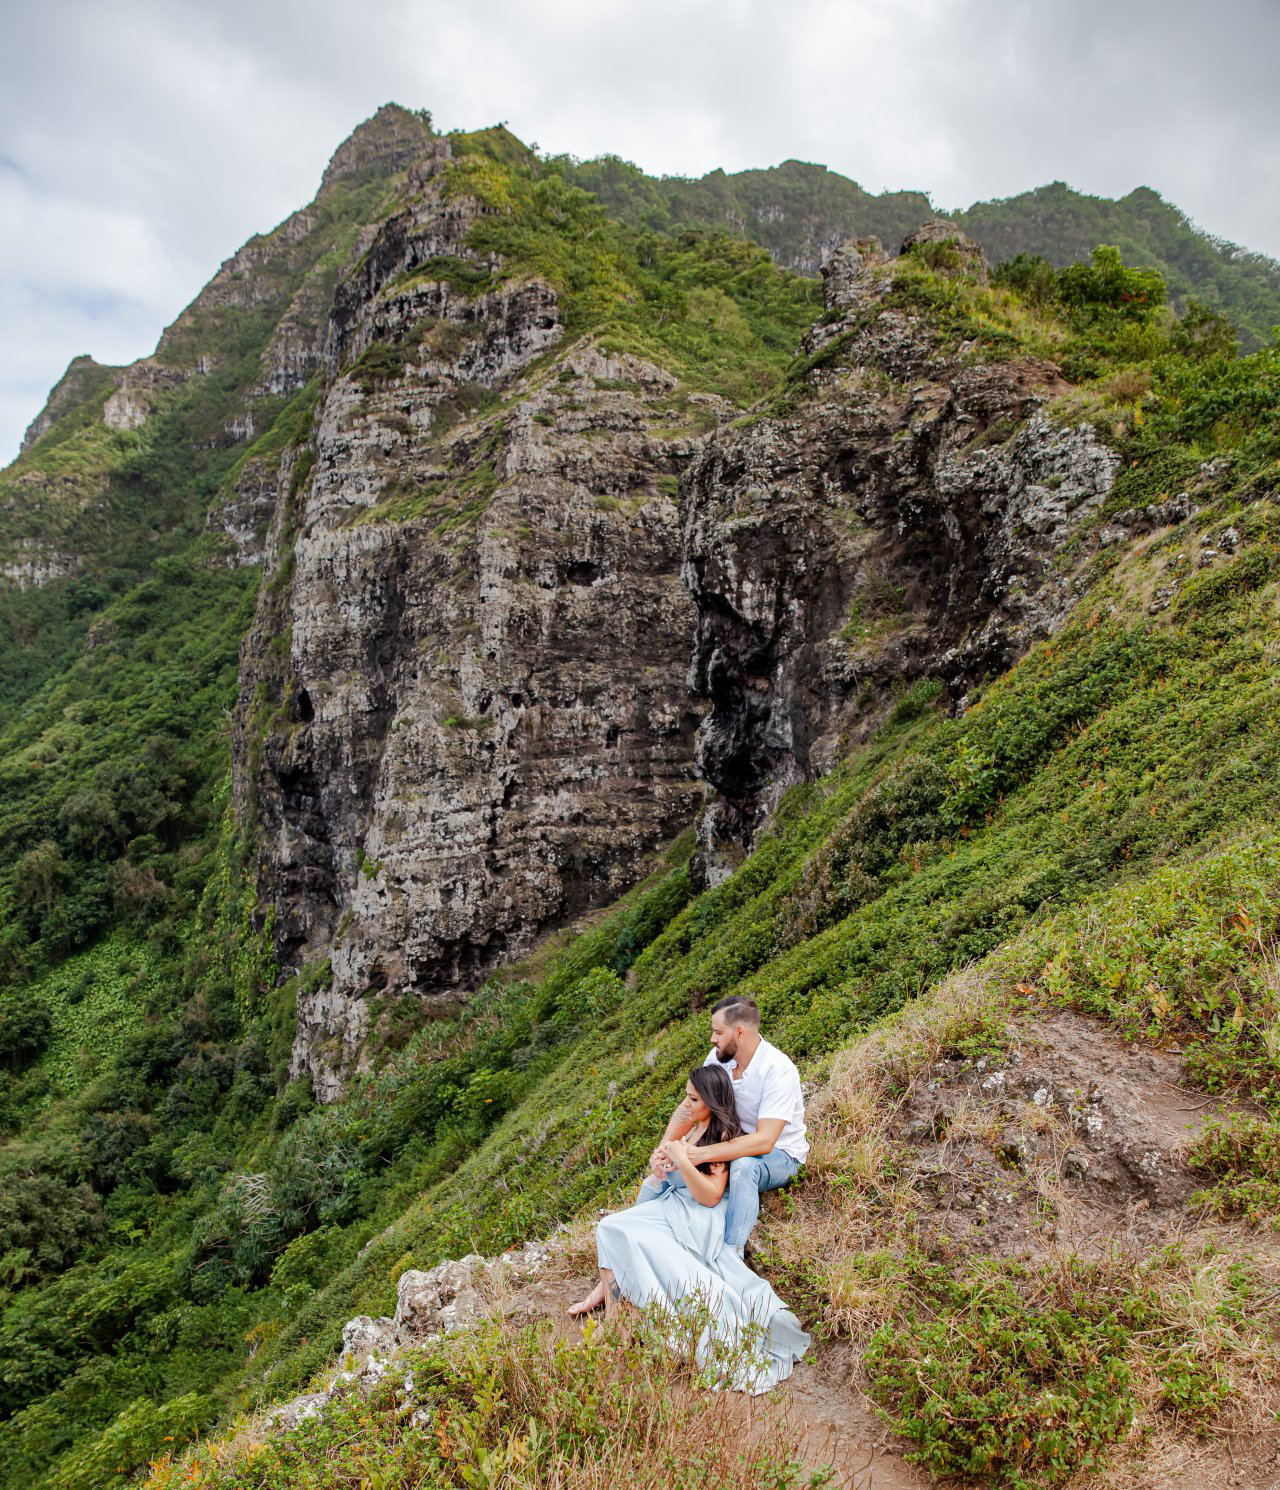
(769, 1088)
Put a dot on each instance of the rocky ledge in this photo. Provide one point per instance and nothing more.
(453, 1295)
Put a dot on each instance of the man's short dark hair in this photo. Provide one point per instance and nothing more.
(739, 1011)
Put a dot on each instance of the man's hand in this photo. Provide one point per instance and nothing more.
(659, 1162)
(675, 1149)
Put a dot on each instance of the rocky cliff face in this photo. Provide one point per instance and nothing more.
(488, 632)
(463, 714)
(899, 518)
(468, 708)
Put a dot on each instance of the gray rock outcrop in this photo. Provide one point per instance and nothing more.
(463, 713)
(897, 518)
(456, 1294)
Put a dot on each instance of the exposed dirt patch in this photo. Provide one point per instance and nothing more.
(839, 1428)
(1072, 1139)
(1175, 1463)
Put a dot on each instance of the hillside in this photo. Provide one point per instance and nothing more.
(800, 211)
(362, 909)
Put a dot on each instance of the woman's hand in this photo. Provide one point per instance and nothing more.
(706, 1189)
(658, 1167)
(676, 1151)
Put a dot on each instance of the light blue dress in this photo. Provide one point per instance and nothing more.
(669, 1250)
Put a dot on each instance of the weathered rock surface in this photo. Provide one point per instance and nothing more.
(454, 1295)
(473, 634)
(1069, 1138)
(900, 519)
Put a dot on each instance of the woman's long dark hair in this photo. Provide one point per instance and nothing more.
(715, 1086)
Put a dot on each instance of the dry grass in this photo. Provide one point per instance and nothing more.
(869, 1081)
(860, 1196)
(1194, 1287)
(1128, 384)
(516, 1407)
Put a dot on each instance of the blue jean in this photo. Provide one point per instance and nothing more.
(748, 1178)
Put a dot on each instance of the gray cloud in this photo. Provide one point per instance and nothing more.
(144, 141)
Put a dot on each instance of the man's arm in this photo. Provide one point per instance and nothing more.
(767, 1133)
(678, 1124)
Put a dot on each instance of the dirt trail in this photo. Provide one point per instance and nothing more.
(839, 1428)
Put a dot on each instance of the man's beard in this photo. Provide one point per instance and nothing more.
(725, 1056)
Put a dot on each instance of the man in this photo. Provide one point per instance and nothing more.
(766, 1089)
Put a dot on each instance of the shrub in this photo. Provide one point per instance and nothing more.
(1107, 290)
(24, 1029)
(1029, 1390)
(1241, 1160)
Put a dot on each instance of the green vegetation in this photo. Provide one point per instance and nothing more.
(715, 310)
(183, 1232)
(1065, 226)
(1030, 1374)
(795, 209)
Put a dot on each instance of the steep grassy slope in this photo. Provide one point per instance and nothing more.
(1121, 775)
(182, 1233)
(798, 211)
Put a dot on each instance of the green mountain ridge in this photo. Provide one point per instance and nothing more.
(799, 211)
(184, 1230)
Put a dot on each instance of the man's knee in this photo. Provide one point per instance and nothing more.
(745, 1171)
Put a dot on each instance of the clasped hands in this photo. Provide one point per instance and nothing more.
(664, 1158)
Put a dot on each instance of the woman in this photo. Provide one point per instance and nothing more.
(668, 1249)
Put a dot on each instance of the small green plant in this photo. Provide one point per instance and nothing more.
(1240, 1160)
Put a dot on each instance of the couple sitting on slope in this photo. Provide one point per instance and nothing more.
(682, 1243)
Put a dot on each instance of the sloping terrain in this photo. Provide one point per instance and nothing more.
(981, 599)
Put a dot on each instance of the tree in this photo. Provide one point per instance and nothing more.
(1108, 290)
(40, 879)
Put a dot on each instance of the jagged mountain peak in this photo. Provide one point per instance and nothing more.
(78, 382)
(386, 142)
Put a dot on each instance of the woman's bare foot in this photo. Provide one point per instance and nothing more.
(592, 1301)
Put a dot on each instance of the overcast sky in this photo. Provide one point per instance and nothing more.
(142, 141)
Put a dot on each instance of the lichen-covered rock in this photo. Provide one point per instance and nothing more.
(290, 1414)
(443, 1298)
(464, 716)
(130, 406)
(456, 1294)
(364, 1338)
(900, 519)
(945, 245)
